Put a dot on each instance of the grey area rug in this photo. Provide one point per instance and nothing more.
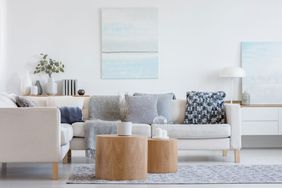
(192, 174)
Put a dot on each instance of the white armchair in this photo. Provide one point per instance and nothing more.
(32, 135)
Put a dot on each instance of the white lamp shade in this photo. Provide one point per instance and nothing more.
(232, 72)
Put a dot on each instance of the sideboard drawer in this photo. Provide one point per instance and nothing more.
(260, 128)
(260, 114)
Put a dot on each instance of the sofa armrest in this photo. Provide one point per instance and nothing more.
(233, 117)
(30, 135)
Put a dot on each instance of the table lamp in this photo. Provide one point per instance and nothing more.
(232, 72)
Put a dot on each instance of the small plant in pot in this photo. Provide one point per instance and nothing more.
(49, 66)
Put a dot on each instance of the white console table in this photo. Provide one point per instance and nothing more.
(261, 119)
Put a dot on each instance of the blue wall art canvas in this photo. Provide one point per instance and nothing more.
(262, 62)
(130, 43)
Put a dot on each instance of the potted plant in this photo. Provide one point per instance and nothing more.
(49, 66)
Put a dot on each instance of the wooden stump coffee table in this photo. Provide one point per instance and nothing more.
(162, 155)
(121, 157)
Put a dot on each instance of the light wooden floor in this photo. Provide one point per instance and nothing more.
(39, 175)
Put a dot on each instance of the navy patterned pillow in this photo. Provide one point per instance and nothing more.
(204, 108)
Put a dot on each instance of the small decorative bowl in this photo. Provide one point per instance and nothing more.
(81, 92)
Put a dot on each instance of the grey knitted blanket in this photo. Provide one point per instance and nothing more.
(97, 127)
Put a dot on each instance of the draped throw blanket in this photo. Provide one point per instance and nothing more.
(97, 127)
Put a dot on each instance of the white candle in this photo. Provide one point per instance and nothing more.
(164, 133)
(159, 132)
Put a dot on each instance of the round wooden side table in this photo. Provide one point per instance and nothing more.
(162, 155)
(121, 157)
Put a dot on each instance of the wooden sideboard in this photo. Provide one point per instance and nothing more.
(261, 119)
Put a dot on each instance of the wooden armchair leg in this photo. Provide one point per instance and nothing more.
(237, 156)
(224, 153)
(55, 171)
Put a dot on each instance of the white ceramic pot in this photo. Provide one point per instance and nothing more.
(26, 84)
(124, 129)
(34, 90)
(51, 87)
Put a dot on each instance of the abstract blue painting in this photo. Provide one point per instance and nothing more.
(262, 62)
(130, 43)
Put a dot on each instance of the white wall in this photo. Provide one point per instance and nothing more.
(197, 38)
(2, 45)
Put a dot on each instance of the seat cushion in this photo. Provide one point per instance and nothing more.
(78, 129)
(66, 133)
(201, 131)
(137, 129)
(141, 129)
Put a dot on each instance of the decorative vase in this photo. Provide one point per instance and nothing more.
(26, 84)
(51, 88)
(39, 87)
(34, 90)
(246, 98)
(124, 129)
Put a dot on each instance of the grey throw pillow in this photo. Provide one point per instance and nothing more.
(204, 107)
(164, 104)
(141, 109)
(104, 108)
(24, 102)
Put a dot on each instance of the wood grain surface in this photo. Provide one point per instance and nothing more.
(162, 155)
(121, 157)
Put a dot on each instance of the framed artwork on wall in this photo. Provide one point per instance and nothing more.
(262, 62)
(129, 43)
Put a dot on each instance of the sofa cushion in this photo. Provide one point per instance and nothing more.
(104, 108)
(178, 107)
(62, 101)
(66, 133)
(138, 129)
(200, 131)
(71, 114)
(163, 105)
(141, 129)
(78, 129)
(44, 101)
(7, 101)
(39, 101)
(205, 107)
(24, 102)
(141, 109)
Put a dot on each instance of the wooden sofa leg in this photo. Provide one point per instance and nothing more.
(55, 171)
(237, 156)
(224, 153)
